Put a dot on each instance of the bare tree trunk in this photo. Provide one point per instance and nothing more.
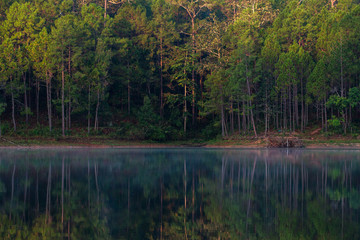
(244, 117)
(284, 112)
(37, 100)
(302, 107)
(89, 105)
(105, 10)
(223, 125)
(231, 116)
(69, 111)
(96, 125)
(69, 108)
(13, 107)
(238, 117)
(325, 113)
(63, 100)
(185, 108)
(25, 101)
(193, 70)
(161, 79)
(290, 120)
(333, 3)
(251, 111)
(128, 88)
(48, 101)
(296, 106)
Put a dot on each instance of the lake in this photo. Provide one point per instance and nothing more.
(179, 194)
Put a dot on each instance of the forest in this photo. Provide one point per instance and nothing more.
(177, 69)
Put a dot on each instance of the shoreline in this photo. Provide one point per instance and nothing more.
(102, 143)
(166, 146)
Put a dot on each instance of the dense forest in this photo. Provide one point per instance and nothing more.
(172, 69)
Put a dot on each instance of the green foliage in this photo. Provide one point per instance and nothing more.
(271, 59)
(150, 122)
(335, 124)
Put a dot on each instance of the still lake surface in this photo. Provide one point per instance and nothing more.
(179, 194)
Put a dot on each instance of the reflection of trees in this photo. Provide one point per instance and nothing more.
(173, 194)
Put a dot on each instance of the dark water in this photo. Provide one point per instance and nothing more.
(179, 194)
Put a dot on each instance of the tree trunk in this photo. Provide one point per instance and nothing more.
(89, 105)
(296, 106)
(238, 117)
(69, 70)
(244, 117)
(185, 109)
(290, 119)
(37, 100)
(266, 112)
(223, 126)
(128, 88)
(48, 101)
(325, 113)
(284, 111)
(161, 79)
(105, 10)
(231, 116)
(96, 125)
(63, 100)
(302, 107)
(333, 3)
(69, 110)
(13, 108)
(25, 102)
(193, 70)
(251, 111)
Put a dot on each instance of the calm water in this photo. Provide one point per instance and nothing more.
(179, 194)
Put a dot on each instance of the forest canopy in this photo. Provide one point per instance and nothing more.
(171, 69)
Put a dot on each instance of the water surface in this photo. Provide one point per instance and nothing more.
(179, 194)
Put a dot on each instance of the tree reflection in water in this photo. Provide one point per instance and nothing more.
(179, 194)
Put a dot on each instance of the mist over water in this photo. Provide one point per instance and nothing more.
(179, 194)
